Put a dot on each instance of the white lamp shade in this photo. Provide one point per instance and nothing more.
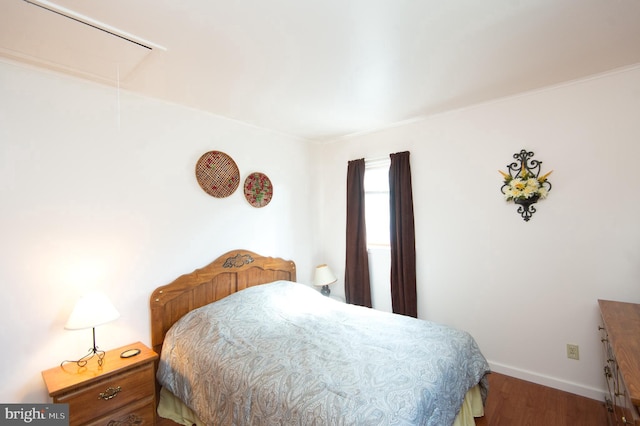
(324, 276)
(91, 310)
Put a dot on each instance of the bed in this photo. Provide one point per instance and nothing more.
(242, 343)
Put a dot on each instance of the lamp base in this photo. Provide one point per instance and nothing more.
(325, 290)
(92, 352)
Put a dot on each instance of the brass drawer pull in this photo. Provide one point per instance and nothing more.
(109, 393)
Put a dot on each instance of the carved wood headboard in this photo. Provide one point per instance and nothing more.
(231, 272)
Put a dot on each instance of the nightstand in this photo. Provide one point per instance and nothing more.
(121, 391)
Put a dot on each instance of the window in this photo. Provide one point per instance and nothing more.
(376, 193)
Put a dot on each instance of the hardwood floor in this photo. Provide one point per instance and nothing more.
(514, 402)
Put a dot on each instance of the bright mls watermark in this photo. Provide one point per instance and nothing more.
(34, 414)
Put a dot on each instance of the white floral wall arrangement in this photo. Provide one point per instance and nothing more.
(523, 184)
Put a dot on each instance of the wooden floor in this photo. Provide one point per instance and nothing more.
(514, 402)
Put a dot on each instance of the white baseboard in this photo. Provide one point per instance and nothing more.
(552, 382)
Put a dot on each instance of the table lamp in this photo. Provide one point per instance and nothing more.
(90, 311)
(323, 278)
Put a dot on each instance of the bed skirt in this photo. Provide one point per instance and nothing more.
(172, 408)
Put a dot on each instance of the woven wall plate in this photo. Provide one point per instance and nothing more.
(258, 189)
(217, 174)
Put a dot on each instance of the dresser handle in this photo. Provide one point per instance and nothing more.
(109, 393)
(609, 404)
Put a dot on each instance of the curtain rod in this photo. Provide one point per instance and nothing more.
(377, 161)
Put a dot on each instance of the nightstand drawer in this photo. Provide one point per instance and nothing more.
(109, 394)
(138, 414)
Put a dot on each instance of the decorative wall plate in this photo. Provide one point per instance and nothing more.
(217, 174)
(258, 189)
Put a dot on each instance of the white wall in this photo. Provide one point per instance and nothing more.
(88, 203)
(523, 289)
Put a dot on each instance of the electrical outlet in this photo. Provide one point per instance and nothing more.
(573, 351)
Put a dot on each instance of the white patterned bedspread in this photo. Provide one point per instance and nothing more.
(283, 354)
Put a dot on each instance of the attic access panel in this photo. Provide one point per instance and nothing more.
(44, 37)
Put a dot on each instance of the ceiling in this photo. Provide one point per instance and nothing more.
(327, 68)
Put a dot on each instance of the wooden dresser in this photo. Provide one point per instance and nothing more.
(621, 339)
(120, 392)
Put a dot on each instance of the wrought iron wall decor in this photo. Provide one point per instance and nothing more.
(523, 184)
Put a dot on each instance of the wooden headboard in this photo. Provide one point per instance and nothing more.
(231, 272)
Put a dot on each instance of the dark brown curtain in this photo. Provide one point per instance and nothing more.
(403, 241)
(357, 288)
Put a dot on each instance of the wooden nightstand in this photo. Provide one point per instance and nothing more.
(120, 392)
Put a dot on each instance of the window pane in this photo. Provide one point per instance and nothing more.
(377, 217)
(376, 180)
(376, 188)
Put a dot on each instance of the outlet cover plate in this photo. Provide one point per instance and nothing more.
(573, 351)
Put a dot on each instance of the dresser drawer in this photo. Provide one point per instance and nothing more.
(630, 413)
(621, 337)
(141, 413)
(109, 394)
